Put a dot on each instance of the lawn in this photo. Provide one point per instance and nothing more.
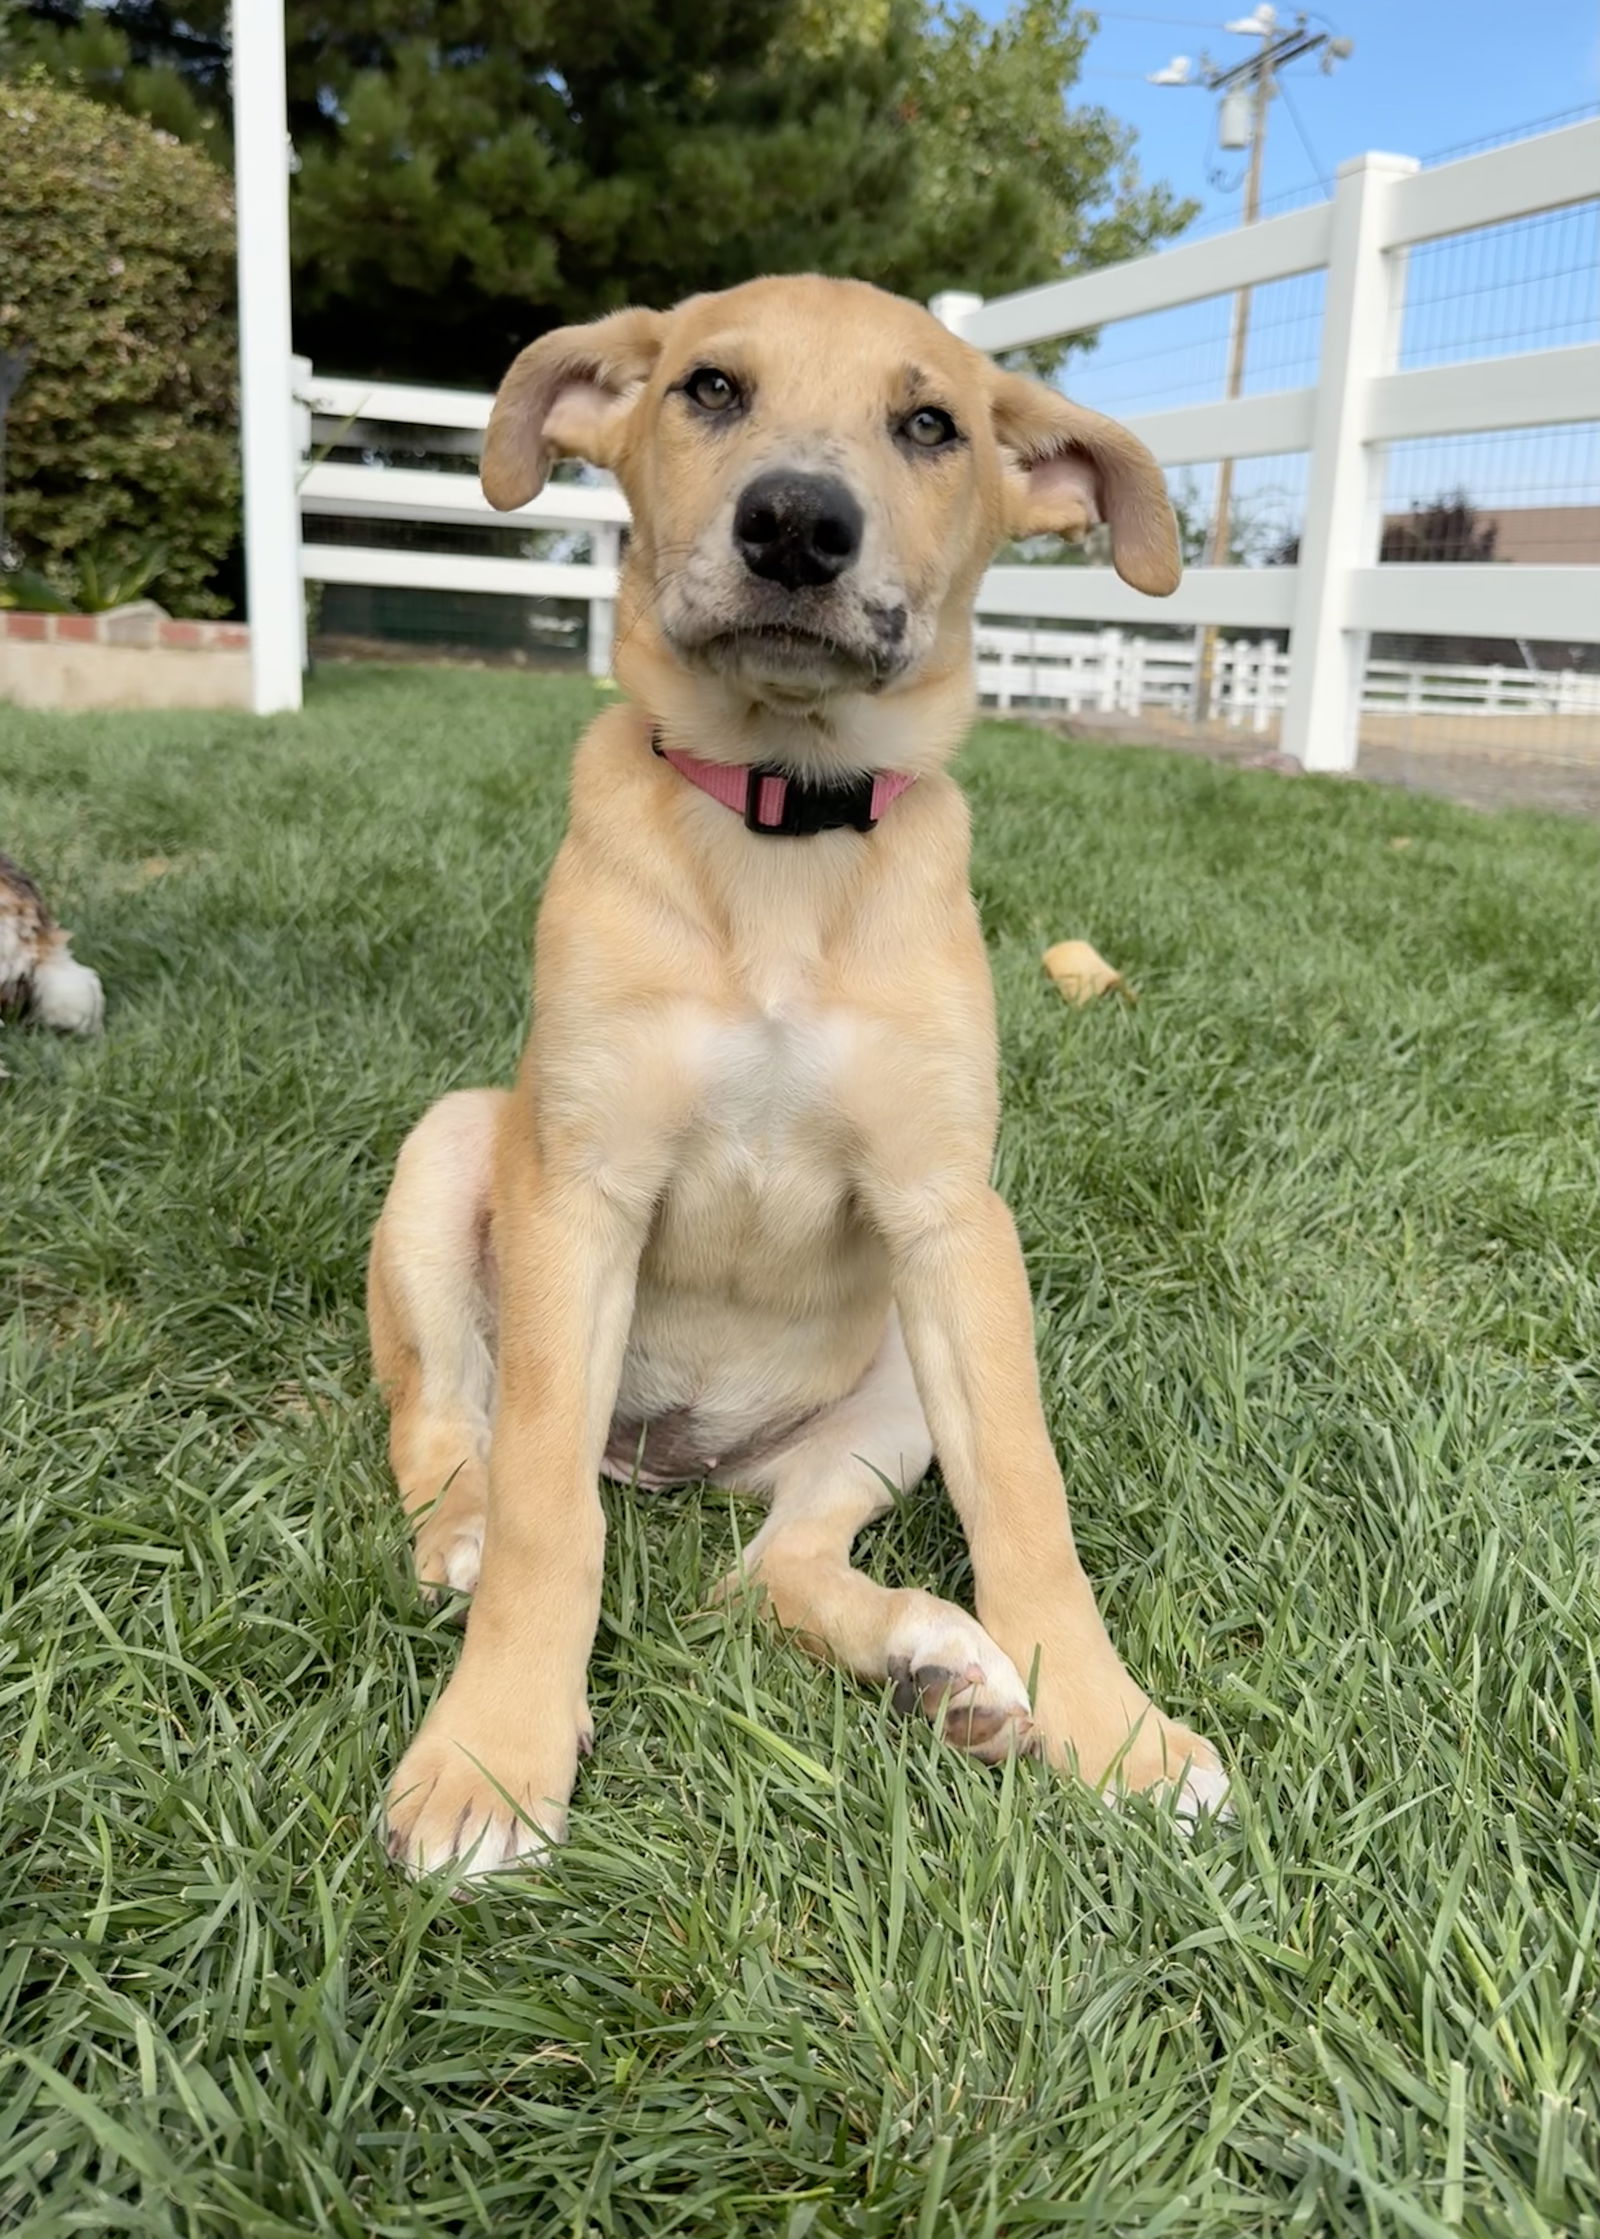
(1314, 1231)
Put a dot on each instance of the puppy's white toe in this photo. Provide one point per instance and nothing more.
(66, 994)
(450, 1560)
(462, 1561)
(1204, 1791)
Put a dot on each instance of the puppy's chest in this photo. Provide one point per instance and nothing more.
(768, 1134)
(771, 1083)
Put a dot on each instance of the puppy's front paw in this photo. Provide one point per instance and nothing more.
(1118, 1741)
(944, 1664)
(1170, 1759)
(482, 1795)
(449, 1552)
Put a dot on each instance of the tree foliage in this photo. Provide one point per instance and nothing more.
(474, 171)
(116, 277)
(1446, 529)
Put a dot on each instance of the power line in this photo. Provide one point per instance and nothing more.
(1183, 23)
(1550, 123)
(1282, 89)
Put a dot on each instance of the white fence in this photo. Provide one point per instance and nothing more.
(1109, 672)
(448, 425)
(1338, 594)
(1329, 603)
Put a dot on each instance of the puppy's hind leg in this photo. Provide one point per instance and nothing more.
(430, 1309)
(825, 1486)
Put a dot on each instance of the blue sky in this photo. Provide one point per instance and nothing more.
(1425, 78)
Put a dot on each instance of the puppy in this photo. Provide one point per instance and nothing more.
(39, 976)
(734, 1221)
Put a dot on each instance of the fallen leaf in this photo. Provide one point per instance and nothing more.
(1082, 973)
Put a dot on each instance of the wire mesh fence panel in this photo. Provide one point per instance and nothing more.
(1147, 364)
(1489, 732)
(1490, 711)
(1266, 511)
(1526, 284)
(1505, 499)
(1285, 335)
(1181, 356)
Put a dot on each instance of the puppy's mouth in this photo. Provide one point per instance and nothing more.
(790, 657)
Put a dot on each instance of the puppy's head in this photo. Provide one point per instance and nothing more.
(818, 474)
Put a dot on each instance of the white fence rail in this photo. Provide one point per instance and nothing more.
(1338, 594)
(448, 425)
(1329, 603)
(1109, 672)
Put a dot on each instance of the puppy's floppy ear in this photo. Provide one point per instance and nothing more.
(567, 396)
(1070, 468)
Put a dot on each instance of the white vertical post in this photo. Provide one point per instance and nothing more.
(1360, 321)
(605, 551)
(954, 308)
(1110, 671)
(268, 438)
(1130, 699)
(299, 392)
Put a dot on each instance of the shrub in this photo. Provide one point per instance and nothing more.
(116, 274)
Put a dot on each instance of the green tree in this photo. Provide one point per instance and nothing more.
(116, 280)
(474, 171)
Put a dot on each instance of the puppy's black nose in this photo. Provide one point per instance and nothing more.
(800, 530)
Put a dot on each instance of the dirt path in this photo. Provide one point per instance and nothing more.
(1497, 764)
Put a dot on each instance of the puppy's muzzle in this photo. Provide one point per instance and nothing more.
(800, 531)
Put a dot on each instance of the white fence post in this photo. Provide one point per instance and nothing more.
(300, 377)
(268, 442)
(1110, 671)
(1130, 694)
(605, 551)
(954, 308)
(1228, 679)
(1343, 494)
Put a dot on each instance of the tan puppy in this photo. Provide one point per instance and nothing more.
(734, 1221)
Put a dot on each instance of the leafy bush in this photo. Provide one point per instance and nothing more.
(116, 274)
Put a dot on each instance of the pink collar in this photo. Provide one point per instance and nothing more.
(784, 807)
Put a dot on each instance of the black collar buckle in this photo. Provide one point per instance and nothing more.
(809, 809)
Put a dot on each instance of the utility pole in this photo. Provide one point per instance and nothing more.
(1246, 89)
(1239, 341)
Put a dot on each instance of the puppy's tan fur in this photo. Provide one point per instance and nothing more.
(734, 1219)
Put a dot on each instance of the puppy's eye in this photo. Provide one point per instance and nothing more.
(711, 388)
(930, 429)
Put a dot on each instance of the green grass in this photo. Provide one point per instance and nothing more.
(1314, 1231)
